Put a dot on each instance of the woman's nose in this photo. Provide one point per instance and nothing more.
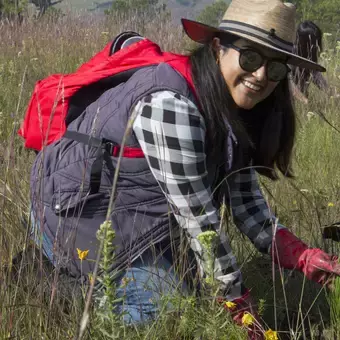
(260, 74)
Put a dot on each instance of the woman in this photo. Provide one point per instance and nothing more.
(226, 115)
(308, 44)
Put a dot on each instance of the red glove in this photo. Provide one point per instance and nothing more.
(241, 306)
(290, 252)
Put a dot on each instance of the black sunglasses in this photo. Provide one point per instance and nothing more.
(251, 60)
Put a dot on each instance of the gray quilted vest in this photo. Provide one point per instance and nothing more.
(70, 213)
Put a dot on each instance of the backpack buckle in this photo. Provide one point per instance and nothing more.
(112, 148)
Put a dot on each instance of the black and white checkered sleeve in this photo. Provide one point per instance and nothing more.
(251, 211)
(171, 132)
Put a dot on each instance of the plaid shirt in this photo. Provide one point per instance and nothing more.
(171, 132)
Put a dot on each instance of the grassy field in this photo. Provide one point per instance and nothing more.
(34, 304)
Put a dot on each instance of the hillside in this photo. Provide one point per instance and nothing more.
(179, 8)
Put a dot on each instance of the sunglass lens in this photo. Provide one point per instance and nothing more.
(277, 70)
(250, 60)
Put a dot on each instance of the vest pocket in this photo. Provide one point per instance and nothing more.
(75, 204)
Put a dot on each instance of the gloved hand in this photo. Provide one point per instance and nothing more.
(240, 307)
(290, 252)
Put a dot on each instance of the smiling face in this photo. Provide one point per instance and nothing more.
(246, 88)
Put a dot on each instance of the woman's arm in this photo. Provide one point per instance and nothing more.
(254, 218)
(251, 212)
(171, 132)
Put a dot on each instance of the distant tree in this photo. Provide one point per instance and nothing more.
(141, 10)
(18, 9)
(53, 14)
(41, 5)
(142, 6)
(12, 9)
(212, 14)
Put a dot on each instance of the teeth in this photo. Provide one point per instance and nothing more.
(251, 86)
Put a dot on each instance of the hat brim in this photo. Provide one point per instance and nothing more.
(202, 33)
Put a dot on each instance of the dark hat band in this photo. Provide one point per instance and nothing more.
(253, 31)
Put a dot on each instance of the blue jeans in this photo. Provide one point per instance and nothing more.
(143, 285)
(150, 277)
(40, 238)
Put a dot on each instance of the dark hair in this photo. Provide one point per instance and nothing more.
(266, 133)
(308, 40)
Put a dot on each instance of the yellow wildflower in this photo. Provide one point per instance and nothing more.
(247, 319)
(270, 335)
(330, 204)
(230, 305)
(82, 254)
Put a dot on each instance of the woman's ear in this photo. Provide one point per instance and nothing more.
(216, 44)
(218, 50)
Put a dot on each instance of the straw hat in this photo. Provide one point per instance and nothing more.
(270, 23)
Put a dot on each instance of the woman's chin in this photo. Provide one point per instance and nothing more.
(245, 103)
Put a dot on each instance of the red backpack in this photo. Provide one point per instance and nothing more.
(60, 98)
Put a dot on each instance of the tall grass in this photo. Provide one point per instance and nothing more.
(36, 303)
